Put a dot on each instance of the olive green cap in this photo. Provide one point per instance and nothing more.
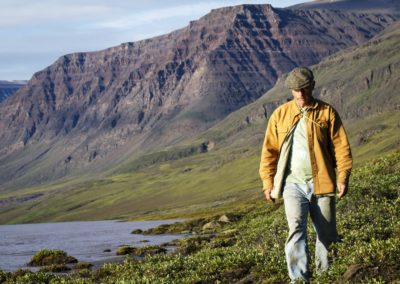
(299, 78)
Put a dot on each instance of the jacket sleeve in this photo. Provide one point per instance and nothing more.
(269, 154)
(341, 148)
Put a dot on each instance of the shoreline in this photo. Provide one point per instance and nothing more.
(86, 241)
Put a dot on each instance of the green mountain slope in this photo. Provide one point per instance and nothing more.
(219, 168)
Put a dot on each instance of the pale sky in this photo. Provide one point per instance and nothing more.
(34, 33)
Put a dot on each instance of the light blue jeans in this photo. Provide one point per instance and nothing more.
(298, 204)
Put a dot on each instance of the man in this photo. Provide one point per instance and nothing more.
(304, 143)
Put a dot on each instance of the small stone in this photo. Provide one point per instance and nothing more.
(137, 231)
(224, 219)
(211, 225)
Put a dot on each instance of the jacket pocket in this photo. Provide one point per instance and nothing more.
(321, 130)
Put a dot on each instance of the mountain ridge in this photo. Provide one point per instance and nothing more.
(89, 111)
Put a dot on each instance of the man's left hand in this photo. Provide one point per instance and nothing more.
(342, 189)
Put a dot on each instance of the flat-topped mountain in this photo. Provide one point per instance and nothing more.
(90, 111)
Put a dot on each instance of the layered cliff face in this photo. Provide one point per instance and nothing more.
(92, 110)
(361, 83)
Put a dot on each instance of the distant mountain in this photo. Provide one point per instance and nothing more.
(219, 167)
(359, 6)
(90, 111)
(7, 88)
(360, 82)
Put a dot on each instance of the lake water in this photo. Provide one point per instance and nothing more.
(86, 241)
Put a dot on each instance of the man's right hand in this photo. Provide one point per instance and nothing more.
(267, 193)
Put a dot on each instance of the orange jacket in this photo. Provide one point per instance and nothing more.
(327, 140)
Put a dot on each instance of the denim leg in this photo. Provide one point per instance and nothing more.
(322, 212)
(296, 249)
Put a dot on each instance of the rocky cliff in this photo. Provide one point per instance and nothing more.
(88, 111)
(360, 82)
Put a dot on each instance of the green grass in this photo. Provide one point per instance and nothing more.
(251, 249)
(384, 139)
(174, 189)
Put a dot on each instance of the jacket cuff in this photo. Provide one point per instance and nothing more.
(343, 177)
(267, 184)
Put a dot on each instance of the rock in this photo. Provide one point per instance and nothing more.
(352, 271)
(224, 219)
(364, 135)
(187, 170)
(140, 251)
(137, 231)
(211, 225)
(193, 244)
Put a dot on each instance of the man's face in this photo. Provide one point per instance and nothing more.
(303, 97)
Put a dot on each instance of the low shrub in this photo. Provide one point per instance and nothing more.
(49, 257)
(54, 268)
(140, 251)
(22, 276)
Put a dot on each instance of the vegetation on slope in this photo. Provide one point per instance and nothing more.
(251, 250)
(219, 168)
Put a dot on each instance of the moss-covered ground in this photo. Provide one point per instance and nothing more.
(250, 248)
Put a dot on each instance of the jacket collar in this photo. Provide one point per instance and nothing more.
(295, 109)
